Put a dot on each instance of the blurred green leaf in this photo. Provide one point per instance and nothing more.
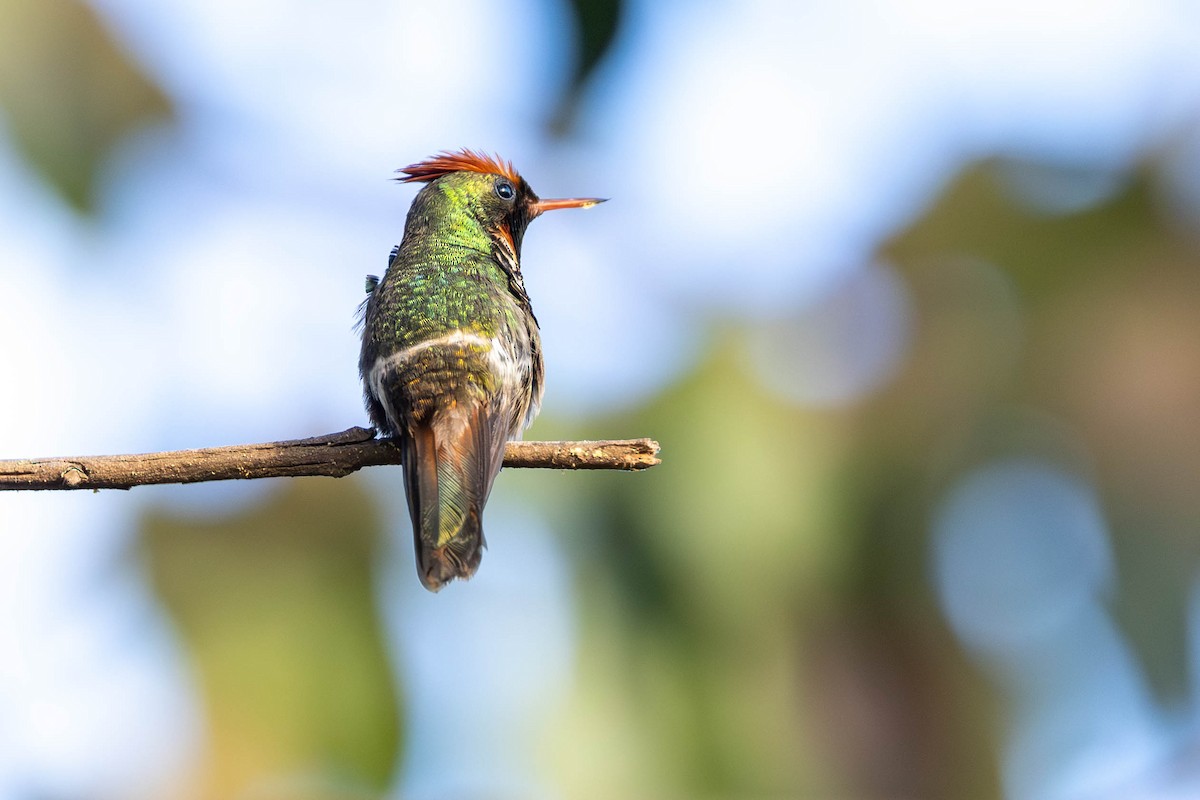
(698, 579)
(70, 93)
(979, 216)
(596, 26)
(276, 608)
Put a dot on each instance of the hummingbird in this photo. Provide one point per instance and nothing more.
(451, 359)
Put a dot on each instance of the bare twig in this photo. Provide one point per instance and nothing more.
(334, 455)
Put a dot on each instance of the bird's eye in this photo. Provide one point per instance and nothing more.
(505, 190)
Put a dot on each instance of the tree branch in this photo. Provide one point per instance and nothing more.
(334, 455)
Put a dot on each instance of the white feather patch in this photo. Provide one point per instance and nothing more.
(509, 372)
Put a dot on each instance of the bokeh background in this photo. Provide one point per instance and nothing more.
(909, 292)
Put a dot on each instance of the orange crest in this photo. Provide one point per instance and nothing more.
(464, 160)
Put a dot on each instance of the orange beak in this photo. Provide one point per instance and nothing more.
(542, 206)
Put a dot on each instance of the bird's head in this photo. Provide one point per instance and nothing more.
(490, 189)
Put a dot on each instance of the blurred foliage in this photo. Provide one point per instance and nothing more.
(276, 609)
(69, 92)
(596, 26)
(690, 575)
(757, 614)
(751, 626)
(1093, 358)
(985, 215)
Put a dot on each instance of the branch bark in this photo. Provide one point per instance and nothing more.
(334, 455)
